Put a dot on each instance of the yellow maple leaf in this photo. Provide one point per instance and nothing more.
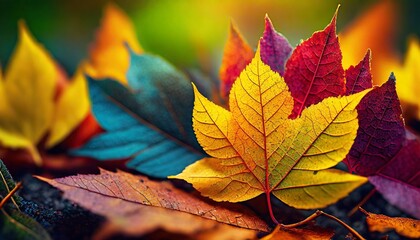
(109, 56)
(28, 108)
(255, 148)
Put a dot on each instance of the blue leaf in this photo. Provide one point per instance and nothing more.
(148, 122)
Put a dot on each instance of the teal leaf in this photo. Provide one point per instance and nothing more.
(148, 122)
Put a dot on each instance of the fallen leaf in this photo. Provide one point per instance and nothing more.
(236, 56)
(39, 108)
(380, 127)
(274, 47)
(71, 109)
(137, 197)
(148, 122)
(28, 91)
(14, 224)
(134, 219)
(174, 226)
(400, 177)
(382, 151)
(375, 29)
(406, 227)
(359, 77)
(314, 71)
(255, 148)
(108, 55)
(311, 233)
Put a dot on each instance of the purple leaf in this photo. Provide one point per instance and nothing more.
(400, 194)
(384, 151)
(381, 130)
(274, 47)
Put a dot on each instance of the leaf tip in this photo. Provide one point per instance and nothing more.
(233, 29)
(268, 24)
(24, 33)
(368, 53)
(44, 179)
(392, 78)
(334, 18)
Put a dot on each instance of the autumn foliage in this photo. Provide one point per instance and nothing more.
(277, 123)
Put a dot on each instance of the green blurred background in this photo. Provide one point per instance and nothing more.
(188, 33)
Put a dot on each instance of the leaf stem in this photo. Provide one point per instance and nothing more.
(304, 221)
(270, 208)
(319, 213)
(361, 203)
(10, 194)
(351, 230)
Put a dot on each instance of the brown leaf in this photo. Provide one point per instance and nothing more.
(406, 227)
(310, 233)
(101, 193)
(138, 220)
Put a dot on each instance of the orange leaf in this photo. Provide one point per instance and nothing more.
(406, 227)
(236, 56)
(312, 233)
(109, 56)
(139, 220)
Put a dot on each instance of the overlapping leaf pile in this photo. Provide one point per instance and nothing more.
(286, 117)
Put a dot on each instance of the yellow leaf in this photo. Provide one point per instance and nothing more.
(72, 107)
(28, 93)
(408, 76)
(375, 29)
(255, 148)
(109, 56)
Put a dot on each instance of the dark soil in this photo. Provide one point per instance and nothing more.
(63, 219)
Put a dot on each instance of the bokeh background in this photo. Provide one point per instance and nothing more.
(188, 33)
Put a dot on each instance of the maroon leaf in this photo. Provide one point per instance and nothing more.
(314, 70)
(384, 152)
(381, 130)
(359, 77)
(399, 180)
(405, 166)
(274, 48)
